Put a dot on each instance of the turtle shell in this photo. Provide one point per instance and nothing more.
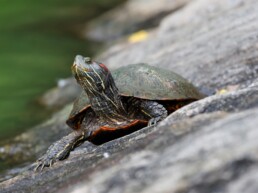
(145, 82)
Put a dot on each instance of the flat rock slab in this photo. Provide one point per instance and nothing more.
(191, 151)
(197, 12)
(209, 158)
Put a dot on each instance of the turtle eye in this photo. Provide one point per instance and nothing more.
(87, 60)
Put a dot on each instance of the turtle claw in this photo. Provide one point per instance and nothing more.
(44, 162)
(51, 163)
(41, 167)
(57, 151)
(36, 168)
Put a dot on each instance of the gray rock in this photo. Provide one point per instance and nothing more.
(198, 11)
(206, 159)
(130, 17)
(199, 154)
(234, 101)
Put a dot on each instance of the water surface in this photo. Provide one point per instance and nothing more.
(39, 40)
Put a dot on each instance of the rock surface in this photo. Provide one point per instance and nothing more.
(130, 17)
(208, 146)
(197, 12)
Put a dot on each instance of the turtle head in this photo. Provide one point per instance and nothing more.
(92, 76)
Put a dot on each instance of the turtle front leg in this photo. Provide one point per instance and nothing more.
(155, 111)
(61, 149)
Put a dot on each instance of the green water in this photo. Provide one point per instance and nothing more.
(38, 41)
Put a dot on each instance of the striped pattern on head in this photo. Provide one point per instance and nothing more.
(98, 83)
(91, 75)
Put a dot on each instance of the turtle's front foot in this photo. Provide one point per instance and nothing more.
(55, 152)
(59, 150)
(154, 110)
(44, 161)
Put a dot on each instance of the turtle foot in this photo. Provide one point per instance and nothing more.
(44, 161)
(60, 150)
(57, 151)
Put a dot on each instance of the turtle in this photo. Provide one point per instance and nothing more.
(117, 104)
